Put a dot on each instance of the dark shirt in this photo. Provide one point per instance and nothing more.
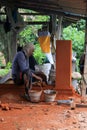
(32, 62)
(20, 63)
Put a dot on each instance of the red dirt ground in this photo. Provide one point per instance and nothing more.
(18, 114)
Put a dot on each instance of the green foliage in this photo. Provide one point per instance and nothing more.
(8, 66)
(3, 72)
(80, 25)
(1, 64)
(77, 37)
(42, 18)
(39, 56)
(28, 34)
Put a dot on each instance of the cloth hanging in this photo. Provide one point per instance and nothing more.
(44, 43)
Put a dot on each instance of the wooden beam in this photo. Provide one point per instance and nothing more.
(37, 22)
(44, 7)
(34, 14)
(51, 11)
(53, 7)
(39, 4)
(30, 23)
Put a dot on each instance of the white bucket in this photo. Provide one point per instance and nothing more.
(49, 95)
(35, 95)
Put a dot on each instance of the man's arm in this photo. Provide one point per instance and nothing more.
(37, 77)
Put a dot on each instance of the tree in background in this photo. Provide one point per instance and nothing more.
(76, 33)
(77, 37)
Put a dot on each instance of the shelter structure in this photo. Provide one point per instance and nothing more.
(63, 7)
(70, 9)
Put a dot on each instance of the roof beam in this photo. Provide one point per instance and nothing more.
(1, 13)
(48, 7)
(55, 12)
(30, 23)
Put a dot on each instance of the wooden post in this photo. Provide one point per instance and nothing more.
(52, 27)
(53, 24)
(13, 46)
(84, 85)
(59, 29)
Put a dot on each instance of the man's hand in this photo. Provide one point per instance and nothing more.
(37, 77)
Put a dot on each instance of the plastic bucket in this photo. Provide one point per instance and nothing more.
(50, 95)
(35, 95)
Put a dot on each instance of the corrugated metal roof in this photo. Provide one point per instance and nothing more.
(62, 7)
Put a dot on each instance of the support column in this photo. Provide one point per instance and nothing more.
(13, 45)
(53, 23)
(59, 29)
(84, 84)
